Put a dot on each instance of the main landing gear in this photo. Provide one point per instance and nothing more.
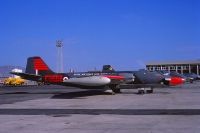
(145, 90)
(115, 89)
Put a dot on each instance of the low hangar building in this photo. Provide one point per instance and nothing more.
(191, 66)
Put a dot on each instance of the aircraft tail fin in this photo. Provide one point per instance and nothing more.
(36, 65)
(108, 68)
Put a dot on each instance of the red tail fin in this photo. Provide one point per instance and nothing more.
(35, 65)
(39, 64)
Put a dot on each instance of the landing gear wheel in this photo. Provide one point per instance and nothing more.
(141, 92)
(116, 90)
(150, 91)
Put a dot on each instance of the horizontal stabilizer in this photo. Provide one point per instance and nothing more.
(28, 76)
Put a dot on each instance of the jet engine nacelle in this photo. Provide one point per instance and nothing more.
(88, 81)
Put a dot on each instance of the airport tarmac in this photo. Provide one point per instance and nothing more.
(41, 109)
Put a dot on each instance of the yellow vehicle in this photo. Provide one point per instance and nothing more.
(14, 81)
(7, 81)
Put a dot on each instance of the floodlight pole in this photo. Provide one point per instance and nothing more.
(59, 46)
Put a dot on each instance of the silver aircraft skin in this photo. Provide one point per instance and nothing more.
(138, 77)
(88, 81)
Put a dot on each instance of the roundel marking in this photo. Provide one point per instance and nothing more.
(65, 78)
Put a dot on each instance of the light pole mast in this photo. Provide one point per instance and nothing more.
(59, 46)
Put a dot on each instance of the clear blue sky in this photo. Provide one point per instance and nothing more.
(124, 33)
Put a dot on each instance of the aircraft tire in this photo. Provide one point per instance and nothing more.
(141, 92)
(150, 91)
(116, 90)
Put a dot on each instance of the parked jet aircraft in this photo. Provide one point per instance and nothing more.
(191, 77)
(108, 78)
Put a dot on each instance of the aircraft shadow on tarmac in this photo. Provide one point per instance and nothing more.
(76, 95)
(136, 93)
(79, 95)
(82, 94)
(67, 112)
(28, 93)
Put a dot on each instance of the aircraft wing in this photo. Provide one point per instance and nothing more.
(28, 76)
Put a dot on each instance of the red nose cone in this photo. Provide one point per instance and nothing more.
(176, 81)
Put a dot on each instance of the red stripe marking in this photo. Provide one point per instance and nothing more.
(53, 78)
(40, 65)
(114, 77)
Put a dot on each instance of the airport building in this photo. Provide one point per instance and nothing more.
(192, 66)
